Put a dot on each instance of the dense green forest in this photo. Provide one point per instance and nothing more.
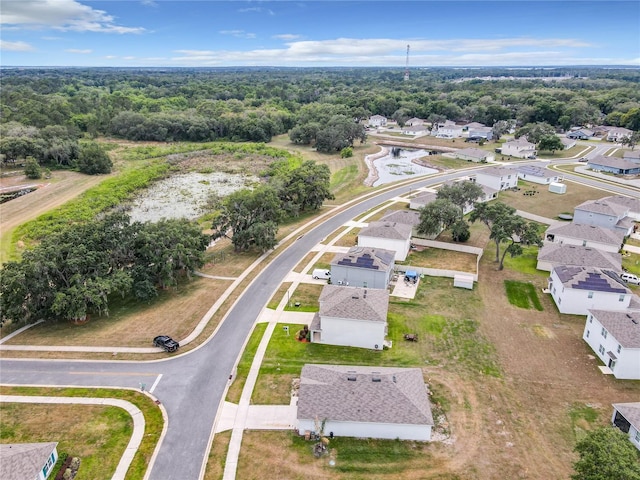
(49, 108)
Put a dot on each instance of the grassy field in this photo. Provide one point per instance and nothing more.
(522, 295)
(438, 258)
(548, 204)
(97, 434)
(306, 297)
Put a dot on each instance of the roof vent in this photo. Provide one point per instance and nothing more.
(634, 321)
(351, 376)
(375, 377)
(394, 379)
(355, 297)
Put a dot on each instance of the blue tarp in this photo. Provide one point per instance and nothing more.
(411, 274)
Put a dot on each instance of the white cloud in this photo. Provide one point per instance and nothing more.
(148, 3)
(256, 10)
(60, 15)
(287, 36)
(237, 33)
(110, 57)
(78, 50)
(15, 46)
(520, 51)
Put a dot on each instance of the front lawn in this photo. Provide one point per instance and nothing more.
(522, 295)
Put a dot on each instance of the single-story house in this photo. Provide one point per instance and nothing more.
(591, 236)
(414, 129)
(619, 166)
(618, 133)
(614, 336)
(482, 132)
(363, 267)
(601, 130)
(30, 461)
(544, 176)
(351, 317)
(498, 178)
(568, 142)
(364, 402)
(581, 134)
(474, 155)
(520, 148)
(410, 217)
(553, 255)
(414, 122)
(377, 121)
(626, 416)
(389, 236)
(605, 214)
(632, 155)
(422, 199)
(576, 290)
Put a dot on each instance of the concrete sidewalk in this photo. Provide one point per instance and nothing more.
(136, 414)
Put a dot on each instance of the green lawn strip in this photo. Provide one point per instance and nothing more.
(306, 297)
(522, 294)
(583, 418)
(631, 261)
(343, 178)
(218, 456)
(277, 297)
(235, 390)
(525, 263)
(154, 421)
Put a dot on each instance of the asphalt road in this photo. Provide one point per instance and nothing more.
(192, 385)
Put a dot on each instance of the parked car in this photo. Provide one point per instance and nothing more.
(583, 159)
(165, 342)
(630, 278)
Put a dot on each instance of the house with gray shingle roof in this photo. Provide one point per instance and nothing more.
(351, 317)
(363, 267)
(631, 203)
(632, 155)
(410, 217)
(543, 176)
(618, 166)
(591, 236)
(553, 255)
(605, 214)
(31, 461)
(364, 402)
(618, 133)
(422, 199)
(474, 155)
(388, 236)
(614, 336)
(521, 148)
(626, 416)
(576, 290)
(580, 134)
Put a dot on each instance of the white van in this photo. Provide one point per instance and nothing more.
(630, 278)
(321, 273)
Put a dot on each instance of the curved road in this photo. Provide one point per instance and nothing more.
(192, 385)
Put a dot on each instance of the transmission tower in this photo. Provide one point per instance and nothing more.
(406, 68)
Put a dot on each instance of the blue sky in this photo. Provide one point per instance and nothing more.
(184, 33)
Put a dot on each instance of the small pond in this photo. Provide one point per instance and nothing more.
(185, 195)
(393, 168)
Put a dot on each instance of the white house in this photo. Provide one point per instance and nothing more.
(448, 129)
(605, 214)
(422, 199)
(414, 122)
(30, 461)
(477, 133)
(388, 236)
(567, 142)
(553, 255)
(540, 175)
(498, 178)
(614, 336)
(626, 416)
(618, 133)
(351, 317)
(410, 217)
(520, 148)
(591, 236)
(414, 129)
(377, 121)
(365, 402)
(576, 290)
(363, 267)
(474, 155)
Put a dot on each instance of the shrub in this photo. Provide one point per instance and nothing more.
(32, 168)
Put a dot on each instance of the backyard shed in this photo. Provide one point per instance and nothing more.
(463, 281)
(556, 187)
